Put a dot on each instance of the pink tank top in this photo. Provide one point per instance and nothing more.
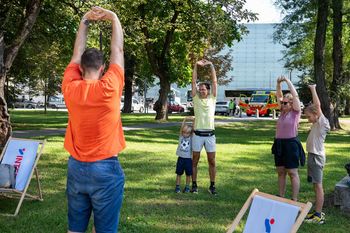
(287, 124)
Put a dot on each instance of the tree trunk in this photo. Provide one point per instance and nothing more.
(319, 60)
(130, 63)
(5, 128)
(337, 55)
(7, 57)
(162, 110)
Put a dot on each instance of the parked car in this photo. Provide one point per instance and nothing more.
(56, 102)
(175, 107)
(136, 105)
(25, 104)
(222, 108)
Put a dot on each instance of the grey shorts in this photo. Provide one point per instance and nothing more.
(208, 142)
(315, 164)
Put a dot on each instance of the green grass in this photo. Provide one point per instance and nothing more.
(33, 120)
(24, 120)
(244, 162)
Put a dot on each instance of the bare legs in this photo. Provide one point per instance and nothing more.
(294, 178)
(211, 162)
(319, 197)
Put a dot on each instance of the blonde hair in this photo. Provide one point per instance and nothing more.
(187, 128)
(311, 109)
(288, 96)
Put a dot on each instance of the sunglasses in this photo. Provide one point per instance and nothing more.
(285, 103)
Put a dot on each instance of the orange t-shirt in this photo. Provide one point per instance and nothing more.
(94, 130)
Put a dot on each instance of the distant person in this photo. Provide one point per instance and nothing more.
(316, 159)
(287, 148)
(237, 108)
(231, 107)
(204, 135)
(184, 153)
(94, 137)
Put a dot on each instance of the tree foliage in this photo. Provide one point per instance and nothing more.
(299, 28)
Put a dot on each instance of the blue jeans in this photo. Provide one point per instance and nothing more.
(94, 187)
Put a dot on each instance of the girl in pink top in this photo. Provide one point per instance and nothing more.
(287, 148)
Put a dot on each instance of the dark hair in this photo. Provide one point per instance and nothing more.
(92, 59)
(207, 85)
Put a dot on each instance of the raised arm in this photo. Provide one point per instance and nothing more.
(117, 40)
(194, 80)
(315, 100)
(80, 40)
(296, 101)
(213, 79)
(279, 93)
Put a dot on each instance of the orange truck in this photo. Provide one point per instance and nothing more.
(263, 101)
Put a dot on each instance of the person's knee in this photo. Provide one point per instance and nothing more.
(293, 173)
(211, 161)
(281, 172)
(195, 158)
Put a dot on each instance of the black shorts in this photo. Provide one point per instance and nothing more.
(184, 164)
(288, 153)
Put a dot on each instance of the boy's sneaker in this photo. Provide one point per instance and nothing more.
(316, 219)
(186, 189)
(212, 190)
(194, 189)
(309, 215)
(177, 189)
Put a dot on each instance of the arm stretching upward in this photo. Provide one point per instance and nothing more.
(117, 40)
(315, 100)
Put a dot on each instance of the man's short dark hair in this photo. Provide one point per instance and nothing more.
(207, 85)
(92, 59)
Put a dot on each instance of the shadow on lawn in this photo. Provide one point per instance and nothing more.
(150, 204)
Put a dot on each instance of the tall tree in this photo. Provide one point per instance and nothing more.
(337, 55)
(174, 33)
(10, 43)
(319, 59)
(316, 49)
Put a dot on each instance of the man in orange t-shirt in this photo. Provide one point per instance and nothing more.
(94, 137)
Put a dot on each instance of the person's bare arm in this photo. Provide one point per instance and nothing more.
(279, 93)
(213, 77)
(117, 40)
(293, 91)
(315, 100)
(194, 80)
(80, 40)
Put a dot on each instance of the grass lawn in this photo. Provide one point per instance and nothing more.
(31, 120)
(244, 162)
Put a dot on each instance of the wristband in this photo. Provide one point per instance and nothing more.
(86, 22)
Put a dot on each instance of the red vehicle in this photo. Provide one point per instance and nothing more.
(262, 101)
(175, 107)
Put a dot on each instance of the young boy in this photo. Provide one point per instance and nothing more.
(184, 151)
(316, 154)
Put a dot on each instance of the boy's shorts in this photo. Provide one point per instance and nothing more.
(315, 164)
(184, 164)
(209, 142)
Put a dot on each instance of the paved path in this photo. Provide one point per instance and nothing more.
(54, 132)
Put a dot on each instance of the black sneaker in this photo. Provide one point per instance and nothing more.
(177, 189)
(194, 189)
(186, 189)
(212, 190)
